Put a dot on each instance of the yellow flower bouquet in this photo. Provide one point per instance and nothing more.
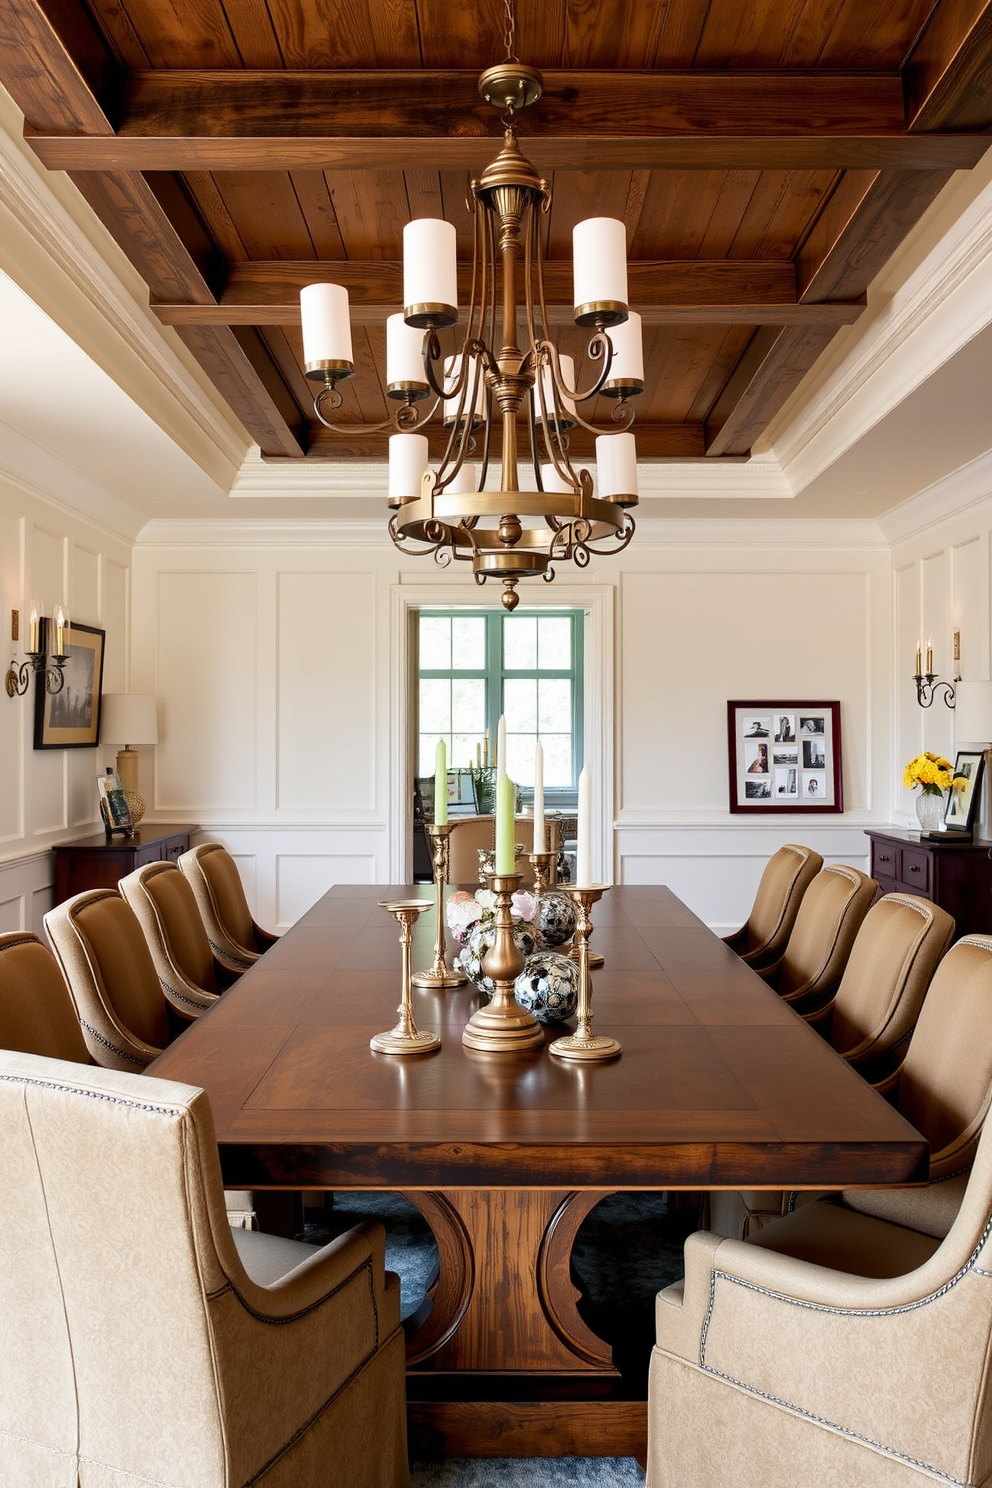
(934, 775)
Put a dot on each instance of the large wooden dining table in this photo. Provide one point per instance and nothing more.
(720, 1085)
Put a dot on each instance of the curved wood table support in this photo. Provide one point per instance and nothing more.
(504, 1301)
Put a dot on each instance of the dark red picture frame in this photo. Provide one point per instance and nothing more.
(789, 787)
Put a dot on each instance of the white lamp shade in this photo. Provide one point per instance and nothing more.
(627, 366)
(616, 465)
(973, 712)
(430, 273)
(553, 482)
(465, 481)
(599, 261)
(566, 365)
(404, 353)
(326, 326)
(129, 718)
(452, 370)
(408, 459)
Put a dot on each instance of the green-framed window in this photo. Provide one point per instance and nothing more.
(477, 664)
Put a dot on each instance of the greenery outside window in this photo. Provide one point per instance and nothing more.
(477, 664)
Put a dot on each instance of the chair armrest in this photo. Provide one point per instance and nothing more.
(770, 972)
(738, 941)
(805, 991)
(819, 1016)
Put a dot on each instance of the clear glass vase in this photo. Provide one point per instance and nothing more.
(930, 809)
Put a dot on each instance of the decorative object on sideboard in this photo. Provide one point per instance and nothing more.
(19, 677)
(130, 718)
(933, 774)
(784, 756)
(70, 718)
(927, 685)
(973, 725)
(447, 513)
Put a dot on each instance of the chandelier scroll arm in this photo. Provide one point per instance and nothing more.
(405, 419)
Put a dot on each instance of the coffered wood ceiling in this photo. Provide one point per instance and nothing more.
(766, 157)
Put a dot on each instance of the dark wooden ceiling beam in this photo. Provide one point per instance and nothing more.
(676, 292)
(654, 442)
(180, 120)
(947, 77)
(775, 362)
(57, 67)
(240, 367)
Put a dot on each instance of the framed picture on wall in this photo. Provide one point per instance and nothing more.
(961, 806)
(784, 756)
(70, 719)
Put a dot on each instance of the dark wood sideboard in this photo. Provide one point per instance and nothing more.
(100, 863)
(955, 875)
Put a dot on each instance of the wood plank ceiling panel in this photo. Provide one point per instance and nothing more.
(266, 213)
(343, 33)
(181, 33)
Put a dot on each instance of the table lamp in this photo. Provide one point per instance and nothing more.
(973, 724)
(131, 718)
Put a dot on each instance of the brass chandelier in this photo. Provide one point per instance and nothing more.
(509, 534)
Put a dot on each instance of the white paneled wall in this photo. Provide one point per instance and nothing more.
(46, 553)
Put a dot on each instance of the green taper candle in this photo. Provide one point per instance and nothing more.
(506, 861)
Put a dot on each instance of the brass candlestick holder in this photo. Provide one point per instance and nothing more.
(440, 974)
(404, 1038)
(541, 864)
(503, 1026)
(583, 1044)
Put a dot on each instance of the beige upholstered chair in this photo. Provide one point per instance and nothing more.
(106, 961)
(788, 874)
(36, 1012)
(144, 1340)
(856, 1356)
(895, 955)
(471, 835)
(235, 939)
(191, 976)
(829, 918)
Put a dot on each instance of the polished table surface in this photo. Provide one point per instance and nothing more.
(719, 1084)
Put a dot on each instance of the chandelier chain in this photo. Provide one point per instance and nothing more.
(510, 32)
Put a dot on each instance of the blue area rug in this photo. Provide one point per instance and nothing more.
(528, 1472)
(411, 1250)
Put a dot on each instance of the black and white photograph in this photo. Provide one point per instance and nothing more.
(757, 728)
(784, 756)
(814, 754)
(70, 719)
(961, 803)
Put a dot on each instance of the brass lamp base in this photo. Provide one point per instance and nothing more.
(503, 1026)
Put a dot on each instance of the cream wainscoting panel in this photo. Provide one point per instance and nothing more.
(326, 733)
(302, 878)
(206, 675)
(26, 891)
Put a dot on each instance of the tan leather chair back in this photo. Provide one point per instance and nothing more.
(213, 876)
(897, 950)
(466, 840)
(788, 874)
(828, 921)
(163, 902)
(107, 964)
(37, 1015)
(946, 1081)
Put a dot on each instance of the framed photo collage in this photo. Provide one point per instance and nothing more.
(784, 756)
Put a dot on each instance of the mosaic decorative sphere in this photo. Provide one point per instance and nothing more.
(548, 987)
(557, 919)
(478, 941)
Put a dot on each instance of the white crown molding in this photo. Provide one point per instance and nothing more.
(962, 491)
(93, 291)
(755, 533)
(260, 532)
(748, 480)
(46, 476)
(932, 297)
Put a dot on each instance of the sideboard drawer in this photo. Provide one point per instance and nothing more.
(884, 861)
(914, 872)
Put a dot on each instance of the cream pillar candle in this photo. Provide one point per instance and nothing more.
(540, 839)
(583, 846)
(441, 785)
(505, 856)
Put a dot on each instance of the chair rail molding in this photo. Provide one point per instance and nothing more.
(597, 600)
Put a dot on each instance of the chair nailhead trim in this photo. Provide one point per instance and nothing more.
(171, 992)
(859, 1312)
(122, 1053)
(225, 955)
(115, 1100)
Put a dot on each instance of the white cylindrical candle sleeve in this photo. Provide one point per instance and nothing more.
(465, 482)
(566, 366)
(540, 839)
(430, 274)
(599, 261)
(407, 463)
(616, 465)
(627, 366)
(583, 841)
(552, 482)
(326, 326)
(404, 352)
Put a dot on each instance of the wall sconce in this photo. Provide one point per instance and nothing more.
(131, 717)
(18, 677)
(927, 685)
